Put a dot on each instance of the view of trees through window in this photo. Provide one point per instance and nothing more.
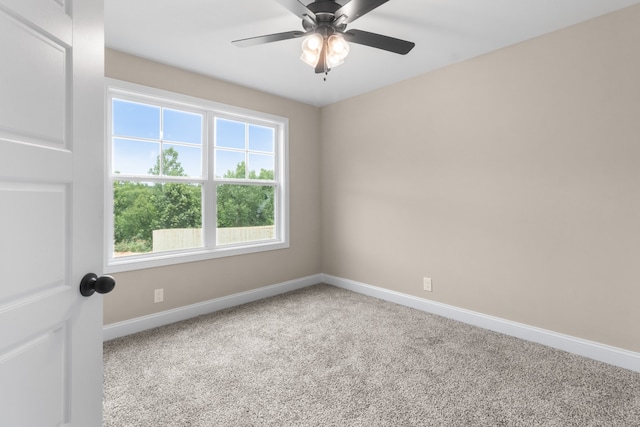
(190, 179)
(140, 208)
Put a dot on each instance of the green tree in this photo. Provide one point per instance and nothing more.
(135, 216)
(245, 205)
(140, 208)
(170, 164)
(178, 205)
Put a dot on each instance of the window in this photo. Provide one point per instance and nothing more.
(190, 179)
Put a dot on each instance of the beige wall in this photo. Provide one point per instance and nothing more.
(512, 180)
(201, 281)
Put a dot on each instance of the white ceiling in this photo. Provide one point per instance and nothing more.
(196, 35)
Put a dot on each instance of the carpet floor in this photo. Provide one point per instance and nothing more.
(325, 356)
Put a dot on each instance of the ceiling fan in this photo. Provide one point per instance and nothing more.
(324, 22)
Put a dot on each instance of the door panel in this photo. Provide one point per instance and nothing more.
(31, 244)
(51, 199)
(38, 360)
(36, 108)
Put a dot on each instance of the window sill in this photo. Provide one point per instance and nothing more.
(162, 259)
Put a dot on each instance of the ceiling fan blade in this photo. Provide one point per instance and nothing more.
(379, 41)
(297, 8)
(356, 8)
(253, 41)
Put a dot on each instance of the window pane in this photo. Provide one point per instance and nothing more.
(180, 160)
(135, 120)
(180, 126)
(230, 164)
(135, 157)
(156, 217)
(261, 138)
(246, 213)
(230, 134)
(261, 166)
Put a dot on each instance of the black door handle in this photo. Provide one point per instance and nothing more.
(92, 283)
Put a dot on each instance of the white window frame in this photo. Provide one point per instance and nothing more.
(209, 250)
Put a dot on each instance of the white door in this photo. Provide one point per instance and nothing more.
(51, 233)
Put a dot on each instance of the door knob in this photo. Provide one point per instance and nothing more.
(92, 283)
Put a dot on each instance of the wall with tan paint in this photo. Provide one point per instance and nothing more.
(201, 281)
(512, 180)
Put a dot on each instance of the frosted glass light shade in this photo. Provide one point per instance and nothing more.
(311, 48)
(337, 49)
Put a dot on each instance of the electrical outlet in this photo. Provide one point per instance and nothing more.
(426, 282)
(158, 295)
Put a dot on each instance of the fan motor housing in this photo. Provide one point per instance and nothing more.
(324, 7)
(325, 11)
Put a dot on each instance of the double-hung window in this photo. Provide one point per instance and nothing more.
(189, 179)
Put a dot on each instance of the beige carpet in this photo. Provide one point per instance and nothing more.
(324, 356)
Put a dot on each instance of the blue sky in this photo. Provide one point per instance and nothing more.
(137, 130)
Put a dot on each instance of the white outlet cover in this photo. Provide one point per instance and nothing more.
(427, 283)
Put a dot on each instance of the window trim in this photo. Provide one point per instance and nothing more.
(210, 109)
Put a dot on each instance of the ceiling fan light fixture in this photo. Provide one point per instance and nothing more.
(325, 22)
(312, 42)
(337, 50)
(310, 58)
(333, 61)
(338, 46)
(311, 49)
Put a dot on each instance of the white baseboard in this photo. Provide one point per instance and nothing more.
(139, 324)
(593, 350)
